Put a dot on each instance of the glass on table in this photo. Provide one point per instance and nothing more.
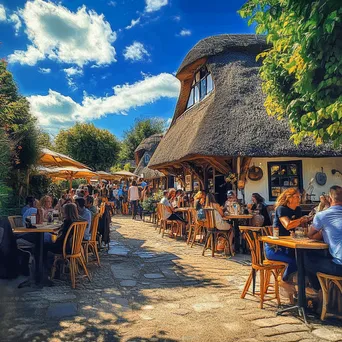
(299, 233)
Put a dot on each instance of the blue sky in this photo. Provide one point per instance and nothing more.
(104, 61)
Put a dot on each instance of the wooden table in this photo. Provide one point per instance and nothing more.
(235, 219)
(41, 228)
(300, 246)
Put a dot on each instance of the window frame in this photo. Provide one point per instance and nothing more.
(299, 175)
(197, 84)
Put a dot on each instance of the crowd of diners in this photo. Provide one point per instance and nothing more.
(324, 222)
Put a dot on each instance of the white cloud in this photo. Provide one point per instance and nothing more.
(70, 74)
(71, 37)
(135, 52)
(2, 13)
(44, 70)
(14, 18)
(133, 23)
(185, 32)
(176, 18)
(155, 5)
(112, 3)
(55, 111)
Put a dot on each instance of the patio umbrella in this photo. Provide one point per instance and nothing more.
(106, 175)
(68, 172)
(55, 159)
(125, 174)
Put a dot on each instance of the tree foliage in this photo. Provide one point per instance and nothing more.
(302, 70)
(44, 140)
(97, 148)
(142, 129)
(17, 121)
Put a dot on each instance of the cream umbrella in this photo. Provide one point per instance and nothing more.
(54, 159)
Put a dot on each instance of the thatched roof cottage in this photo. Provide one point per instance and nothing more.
(143, 154)
(220, 125)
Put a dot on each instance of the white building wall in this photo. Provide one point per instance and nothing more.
(310, 167)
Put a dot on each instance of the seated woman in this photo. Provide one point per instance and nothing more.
(199, 203)
(259, 205)
(288, 215)
(70, 216)
(46, 206)
(218, 214)
(169, 211)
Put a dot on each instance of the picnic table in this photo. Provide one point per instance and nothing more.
(300, 246)
(41, 229)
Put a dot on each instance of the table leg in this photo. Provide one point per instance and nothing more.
(301, 306)
(236, 236)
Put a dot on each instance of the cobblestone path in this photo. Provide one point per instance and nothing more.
(151, 289)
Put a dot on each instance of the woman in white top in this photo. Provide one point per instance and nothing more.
(133, 198)
(218, 212)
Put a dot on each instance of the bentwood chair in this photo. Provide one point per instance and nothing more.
(195, 226)
(174, 225)
(92, 243)
(213, 234)
(330, 282)
(265, 270)
(72, 251)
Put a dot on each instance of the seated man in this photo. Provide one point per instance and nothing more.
(84, 214)
(327, 225)
(31, 209)
(169, 212)
(89, 204)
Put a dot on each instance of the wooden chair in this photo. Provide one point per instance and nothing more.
(195, 226)
(265, 270)
(174, 225)
(92, 244)
(329, 282)
(213, 233)
(16, 221)
(159, 216)
(76, 256)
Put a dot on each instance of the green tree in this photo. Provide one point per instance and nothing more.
(302, 69)
(142, 129)
(20, 129)
(97, 148)
(44, 140)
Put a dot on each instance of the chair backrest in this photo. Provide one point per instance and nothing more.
(159, 211)
(252, 238)
(163, 209)
(16, 221)
(75, 234)
(193, 218)
(102, 209)
(94, 227)
(270, 211)
(209, 218)
(267, 231)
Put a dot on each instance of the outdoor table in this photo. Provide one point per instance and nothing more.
(300, 246)
(235, 219)
(41, 228)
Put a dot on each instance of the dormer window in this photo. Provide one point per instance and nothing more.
(147, 158)
(202, 85)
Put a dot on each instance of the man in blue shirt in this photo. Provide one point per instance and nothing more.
(84, 214)
(327, 225)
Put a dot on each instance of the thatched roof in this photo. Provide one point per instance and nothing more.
(148, 145)
(232, 120)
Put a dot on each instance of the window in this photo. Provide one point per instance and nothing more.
(147, 158)
(202, 85)
(283, 175)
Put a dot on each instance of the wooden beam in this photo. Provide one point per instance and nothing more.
(245, 162)
(218, 165)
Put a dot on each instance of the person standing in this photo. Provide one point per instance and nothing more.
(133, 198)
(85, 215)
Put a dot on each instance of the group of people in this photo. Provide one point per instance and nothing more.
(326, 225)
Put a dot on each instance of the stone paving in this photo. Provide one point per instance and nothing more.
(151, 289)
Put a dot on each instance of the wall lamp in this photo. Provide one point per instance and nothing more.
(334, 171)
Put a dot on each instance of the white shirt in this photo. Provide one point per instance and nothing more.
(133, 193)
(166, 202)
